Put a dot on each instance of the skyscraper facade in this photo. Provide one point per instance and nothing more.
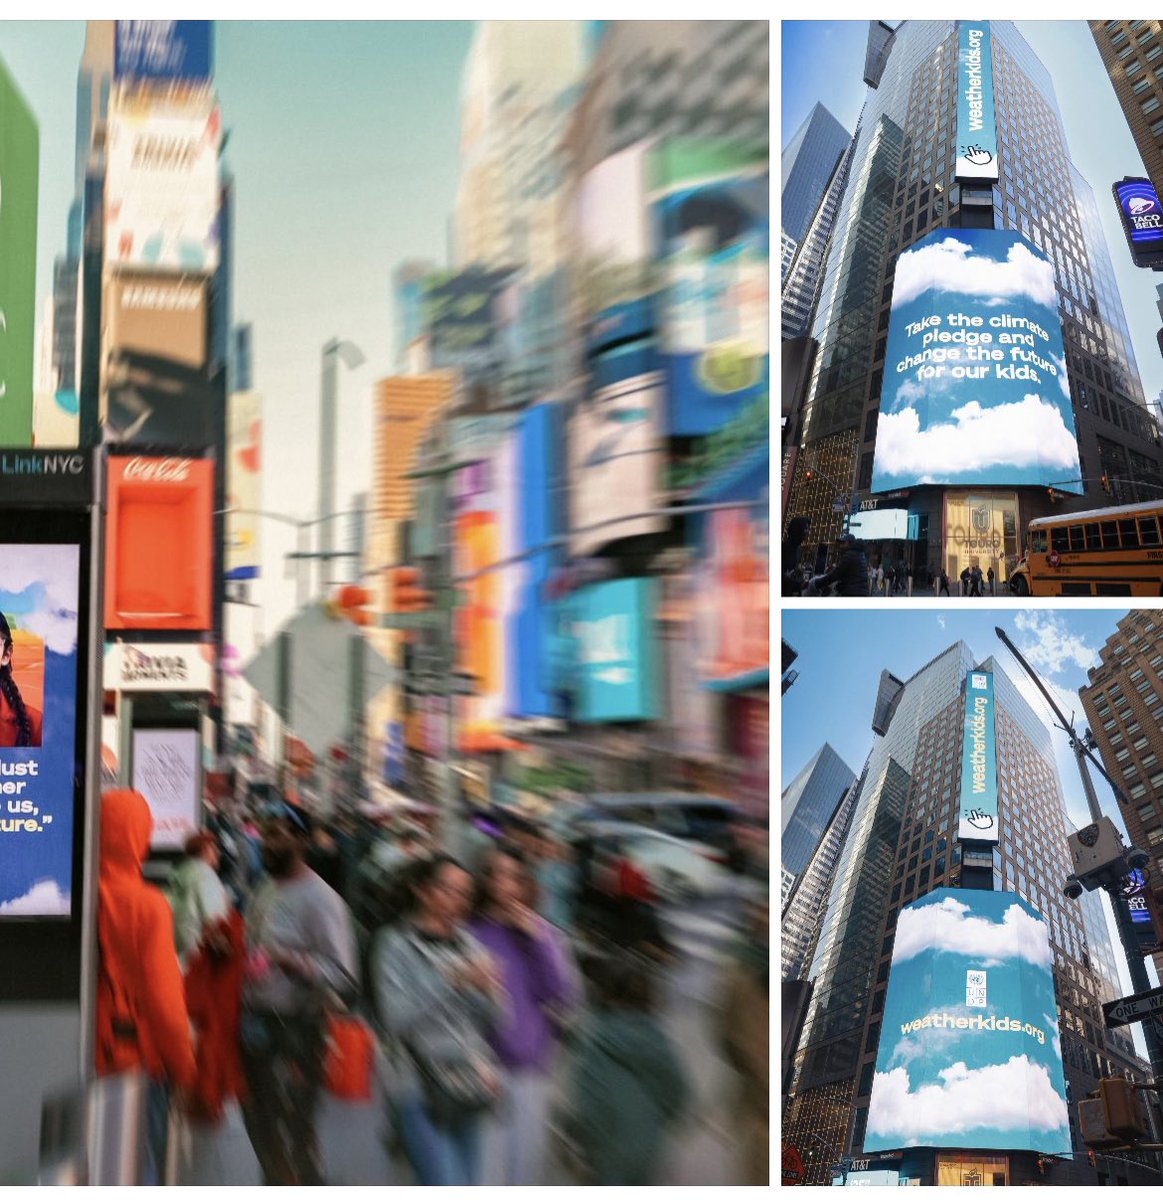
(801, 284)
(1123, 702)
(808, 803)
(802, 900)
(807, 165)
(1132, 52)
(902, 843)
(903, 185)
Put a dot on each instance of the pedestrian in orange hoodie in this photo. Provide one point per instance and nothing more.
(141, 1004)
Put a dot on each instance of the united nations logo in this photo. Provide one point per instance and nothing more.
(982, 518)
(1088, 836)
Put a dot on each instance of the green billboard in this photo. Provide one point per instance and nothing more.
(19, 161)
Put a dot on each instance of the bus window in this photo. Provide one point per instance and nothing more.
(1112, 589)
(1059, 540)
(1148, 531)
(1073, 588)
(1093, 537)
(1038, 541)
(1129, 533)
(1110, 534)
(1077, 542)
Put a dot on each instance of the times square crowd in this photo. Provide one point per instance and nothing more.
(503, 1006)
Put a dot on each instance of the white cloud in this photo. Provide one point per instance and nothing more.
(1049, 646)
(1027, 433)
(951, 266)
(43, 899)
(1056, 1040)
(57, 568)
(1014, 1095)
(948, 924)
(941, 620)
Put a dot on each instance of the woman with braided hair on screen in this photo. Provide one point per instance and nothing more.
(20, 725)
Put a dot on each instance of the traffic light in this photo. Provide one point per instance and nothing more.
(351, 604)
(408, 595)
(1122, 1109)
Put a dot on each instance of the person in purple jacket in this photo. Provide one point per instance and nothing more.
(536, 974)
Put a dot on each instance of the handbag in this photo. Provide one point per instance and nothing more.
(349, 1063)
(456, 1068)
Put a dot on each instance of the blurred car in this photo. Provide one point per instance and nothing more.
(678, 870)
(682, 815)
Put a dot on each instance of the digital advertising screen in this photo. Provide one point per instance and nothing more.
(976, 124)
(1142, 217)
(975, 386)
(39, 594)
(978, 820)
(969, 1051)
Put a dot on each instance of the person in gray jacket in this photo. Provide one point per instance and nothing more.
(437, 995)
(301, 958)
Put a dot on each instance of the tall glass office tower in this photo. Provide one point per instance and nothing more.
(807, 165)
(901, 844)
(808, 803)
(903, 186)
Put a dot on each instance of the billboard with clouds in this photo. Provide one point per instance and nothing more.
(975, 387)
(969, 1049)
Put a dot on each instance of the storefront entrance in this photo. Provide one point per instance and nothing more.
(981, 529)
(963, 1170)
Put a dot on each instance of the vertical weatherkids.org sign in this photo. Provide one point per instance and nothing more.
(969, 1050)
(976, 124)
(979, 761)
(975, 385)
(39, 591)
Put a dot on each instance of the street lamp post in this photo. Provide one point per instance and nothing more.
(352, 358)
(1136, 968)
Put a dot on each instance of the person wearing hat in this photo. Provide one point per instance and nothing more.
(850, 574)
(301, 958)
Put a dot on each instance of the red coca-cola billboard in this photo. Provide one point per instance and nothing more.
(159, 548)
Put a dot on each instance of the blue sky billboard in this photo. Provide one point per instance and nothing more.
(978, 820)
(39, 593)
(969, 1054)
(975, 386)
(976, 124)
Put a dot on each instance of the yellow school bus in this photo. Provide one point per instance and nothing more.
(1103, 552)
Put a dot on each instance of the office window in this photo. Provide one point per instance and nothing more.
(1155, 836)
(1149, 106)
(1141, 86)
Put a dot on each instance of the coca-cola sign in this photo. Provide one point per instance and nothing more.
(158, 470)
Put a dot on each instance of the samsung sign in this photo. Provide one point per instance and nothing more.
(1142, 220)
(976, 126)
(979, 761)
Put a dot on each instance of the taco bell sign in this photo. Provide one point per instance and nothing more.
(1142, 216)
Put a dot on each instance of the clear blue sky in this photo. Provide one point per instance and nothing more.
(824, 61)
(343, 146)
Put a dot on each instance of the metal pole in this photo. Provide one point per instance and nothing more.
(283, 693)
(302, 567)
(327, 415)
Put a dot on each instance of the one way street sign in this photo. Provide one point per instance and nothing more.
(1129, 1009)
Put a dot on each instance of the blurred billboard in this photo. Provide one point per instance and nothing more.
(617, 451)
(159, 314)
(969, 1047)
(19, 170)
(613, 249)
(460, 317)
(161, 183)
(709, 205)
(244, 485)
(163, 50)
(975, 387)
